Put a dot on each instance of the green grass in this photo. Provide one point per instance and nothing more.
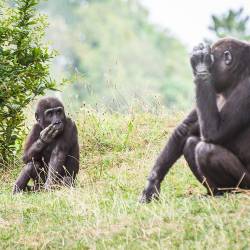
(102, 212)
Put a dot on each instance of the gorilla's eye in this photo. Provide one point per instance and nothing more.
(49, 113)
(227, 57)
(58, 112)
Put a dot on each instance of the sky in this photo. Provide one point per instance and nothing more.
(188, 20)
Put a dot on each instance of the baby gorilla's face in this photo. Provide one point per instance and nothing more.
(56, 117)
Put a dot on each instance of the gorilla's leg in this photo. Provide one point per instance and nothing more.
(32, 170)
(221, 166)
(189, 154)
(71, 167)
(169, 155)
(40, 177)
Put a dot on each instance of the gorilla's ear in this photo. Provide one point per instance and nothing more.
(37, 117)
(228, 57)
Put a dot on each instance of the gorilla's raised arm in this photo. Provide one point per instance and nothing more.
(218, 126)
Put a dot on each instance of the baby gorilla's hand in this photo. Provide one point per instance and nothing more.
(48, 134)
(201, 59)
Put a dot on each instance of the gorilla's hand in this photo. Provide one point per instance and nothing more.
(151, 191)
(48, 134)
(201, 59)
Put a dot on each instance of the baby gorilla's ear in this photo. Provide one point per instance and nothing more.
(37, 117)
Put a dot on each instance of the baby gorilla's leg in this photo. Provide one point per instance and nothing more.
(32, 170)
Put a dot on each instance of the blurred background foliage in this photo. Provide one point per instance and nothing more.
(113, 55)
(231, 23)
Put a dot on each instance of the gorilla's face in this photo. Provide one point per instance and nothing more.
(50, 111)
(54, 116)
(222, 67)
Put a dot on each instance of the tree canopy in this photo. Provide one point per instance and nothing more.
(231, 23)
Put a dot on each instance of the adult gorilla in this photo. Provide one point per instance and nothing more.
(215, 137)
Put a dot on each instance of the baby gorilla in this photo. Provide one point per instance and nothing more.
(51, 152)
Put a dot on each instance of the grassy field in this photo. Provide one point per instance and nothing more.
(102, 212)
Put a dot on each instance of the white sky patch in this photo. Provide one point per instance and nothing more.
(189, 20)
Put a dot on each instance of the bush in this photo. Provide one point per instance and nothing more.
(24, 68)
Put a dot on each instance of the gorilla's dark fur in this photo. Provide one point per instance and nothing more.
(215, 136)
(51, 152)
